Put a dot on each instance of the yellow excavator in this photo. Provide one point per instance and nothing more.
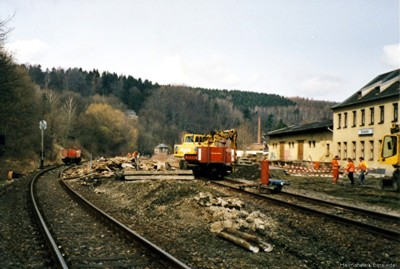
(189, 145)
(390, 154)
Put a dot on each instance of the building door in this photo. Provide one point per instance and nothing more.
(300, 150)
(282, 150)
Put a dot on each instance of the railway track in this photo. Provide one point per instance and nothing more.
(382, 224)
(21, 245)
(82, 236)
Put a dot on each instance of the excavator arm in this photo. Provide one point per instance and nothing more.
(222, 137)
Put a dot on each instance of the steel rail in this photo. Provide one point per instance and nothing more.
(57, 255)
(390, 234)
(352, 208)
(123, 227)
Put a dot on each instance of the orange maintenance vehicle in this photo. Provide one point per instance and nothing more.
(71, 155)
(213, 156)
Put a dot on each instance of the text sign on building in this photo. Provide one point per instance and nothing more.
(365, 131)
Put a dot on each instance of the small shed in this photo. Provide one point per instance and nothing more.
(161, 148)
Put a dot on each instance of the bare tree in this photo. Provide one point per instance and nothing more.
(69, 109)
(4, 31)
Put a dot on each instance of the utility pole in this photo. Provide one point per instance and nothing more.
(42, 127)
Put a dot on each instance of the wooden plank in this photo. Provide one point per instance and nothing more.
(239, 241)
(154, 177)
(166, 172)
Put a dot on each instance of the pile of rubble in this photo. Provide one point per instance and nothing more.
(115, 167)
(228, 219)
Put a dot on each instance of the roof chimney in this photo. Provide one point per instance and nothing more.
(259, 130)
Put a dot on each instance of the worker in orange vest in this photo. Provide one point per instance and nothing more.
(350, 170)
(363, 168)
(335, 169)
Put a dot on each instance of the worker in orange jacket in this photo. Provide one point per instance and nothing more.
(363, 168)
(350, 170)
(335, 169)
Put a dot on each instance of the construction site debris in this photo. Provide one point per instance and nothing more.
(227, 217)
(239, 241)
(125, 168)
(266, 247)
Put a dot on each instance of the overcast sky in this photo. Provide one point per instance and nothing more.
(319, 49)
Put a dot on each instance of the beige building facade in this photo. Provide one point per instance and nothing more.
(309, 142)
(361, 120)
(358, 125)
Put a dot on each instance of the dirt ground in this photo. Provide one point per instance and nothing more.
(185, 216)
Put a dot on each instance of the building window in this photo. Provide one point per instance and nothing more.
(327, 150)
(371, 150)
(339, 121)
(311, 143)
(395, 112)
(345, 150)
(354, 151)
(362, 117)
(339, 149)
(381, 114)
(354, 119)
(372, 115)
(345, 120)
(362, 145)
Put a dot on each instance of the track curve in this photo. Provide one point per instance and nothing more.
(81, 235)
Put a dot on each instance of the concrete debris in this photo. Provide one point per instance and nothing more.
(207, 200)
(227, 215)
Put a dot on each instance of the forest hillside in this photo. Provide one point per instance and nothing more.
(166, 111)
(109, 114)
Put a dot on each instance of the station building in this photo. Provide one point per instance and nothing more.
(361, 120)
(358, 126)
(309, 142)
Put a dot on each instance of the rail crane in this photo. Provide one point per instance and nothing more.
(212, 155)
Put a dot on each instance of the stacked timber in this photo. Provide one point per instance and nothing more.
(158, 174)
(246, 161)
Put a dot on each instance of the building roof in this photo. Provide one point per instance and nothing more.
(381, 87)
(315, 126)
(162, 145)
